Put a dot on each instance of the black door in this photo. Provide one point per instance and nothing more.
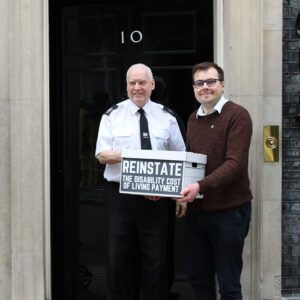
(92, 43)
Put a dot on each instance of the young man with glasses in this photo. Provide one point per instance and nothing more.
(218, 223)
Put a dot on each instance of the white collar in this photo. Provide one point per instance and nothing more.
(134, 108)
(218, 107)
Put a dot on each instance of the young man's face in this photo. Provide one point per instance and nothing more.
(207, 95)
(139, 86)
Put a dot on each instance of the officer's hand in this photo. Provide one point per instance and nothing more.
(180, 209)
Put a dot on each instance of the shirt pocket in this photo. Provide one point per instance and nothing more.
(122, 138)
(161, 136)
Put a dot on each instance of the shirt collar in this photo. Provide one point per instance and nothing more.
(218, 107)
(134, 108)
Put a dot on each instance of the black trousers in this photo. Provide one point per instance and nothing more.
(133, 221)
(169, 254)
(215, 243)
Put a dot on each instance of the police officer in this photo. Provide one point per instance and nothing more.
(134, 219)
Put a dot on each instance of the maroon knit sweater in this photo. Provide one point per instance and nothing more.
(225, 139)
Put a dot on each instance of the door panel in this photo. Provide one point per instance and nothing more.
(92, 47)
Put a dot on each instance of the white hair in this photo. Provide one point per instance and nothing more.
(142, 66)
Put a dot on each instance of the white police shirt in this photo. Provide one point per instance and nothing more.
(119, 129)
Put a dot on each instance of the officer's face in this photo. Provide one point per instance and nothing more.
(139, 86)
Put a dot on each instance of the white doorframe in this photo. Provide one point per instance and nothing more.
(247, 53)
(219, 32)
(247, 41)
(46, 152)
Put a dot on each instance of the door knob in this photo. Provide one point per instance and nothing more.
(271, 143)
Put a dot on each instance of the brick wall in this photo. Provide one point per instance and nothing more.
(291, 152)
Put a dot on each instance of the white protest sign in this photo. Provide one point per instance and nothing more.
(158, 173)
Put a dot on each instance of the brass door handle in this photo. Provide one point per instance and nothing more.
(271, 143)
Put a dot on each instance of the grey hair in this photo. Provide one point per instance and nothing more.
(140, 65)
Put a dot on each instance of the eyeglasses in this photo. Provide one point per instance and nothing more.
(209, 82)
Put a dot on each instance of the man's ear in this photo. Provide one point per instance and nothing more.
(153, 85)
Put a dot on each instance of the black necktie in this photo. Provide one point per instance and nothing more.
(145, 137)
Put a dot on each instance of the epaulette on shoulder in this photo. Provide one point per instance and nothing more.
(108, 112)
(169, 110)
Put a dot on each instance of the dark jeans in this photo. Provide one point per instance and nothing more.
(215, 243)
(136, 225)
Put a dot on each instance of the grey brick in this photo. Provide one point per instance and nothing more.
(295, 143)
(291, 238)
(291, 132)
(289, 206)
(294, 3)
(291, 282)
(296, 272)
(295, 99)
(295, 249)
(292, 88)
(290, 261)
